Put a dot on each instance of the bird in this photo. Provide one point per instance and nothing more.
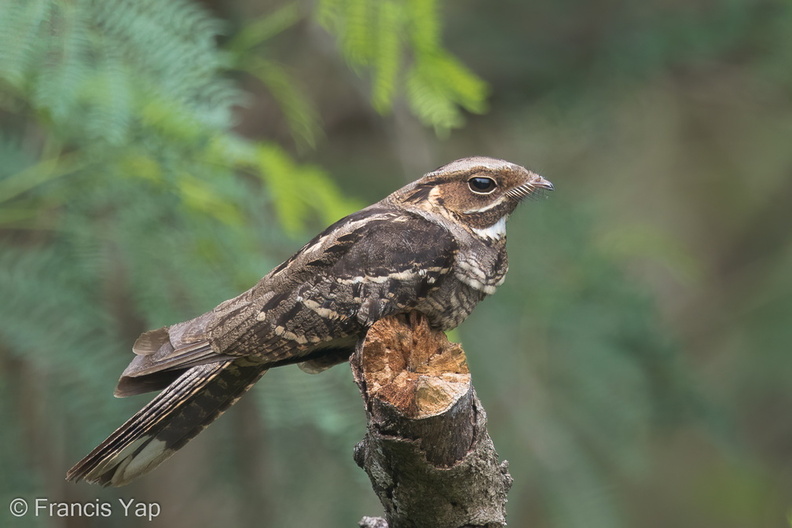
(436, 246)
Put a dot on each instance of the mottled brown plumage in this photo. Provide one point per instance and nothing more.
(437, 246)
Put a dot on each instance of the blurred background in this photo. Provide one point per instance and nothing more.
(158, 157)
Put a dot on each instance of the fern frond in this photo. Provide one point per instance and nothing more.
(424, 27)
(19, 23)
(299, 112)
(110, 113)
(171, 48)
(387, 61)
(298, 191)
(386, 35)
(357, 31)
(437, 85)
(92, 64)
(68, 56)
(328, 13)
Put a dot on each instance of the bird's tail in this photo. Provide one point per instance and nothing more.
(178, 413)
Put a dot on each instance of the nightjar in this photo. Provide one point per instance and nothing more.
(437, 246)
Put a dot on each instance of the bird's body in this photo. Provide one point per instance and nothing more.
(436, 246)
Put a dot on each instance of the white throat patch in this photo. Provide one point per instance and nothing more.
(493, 232)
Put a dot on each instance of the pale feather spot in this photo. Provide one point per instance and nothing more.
(375, 279)
(434, 197)
(151, 455)
(327, 313)
(493, 205)
(111, 461)
(299, 339)
(476, 284)
(291, 336)
(403, 275)
(467, 266)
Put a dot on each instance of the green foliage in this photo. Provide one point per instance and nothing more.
(128, 200)
(103, 58)
(399, 41)
(292, 203)
(597, 373)
(116, 77)
(247, 47)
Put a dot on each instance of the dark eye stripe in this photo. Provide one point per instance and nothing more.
(481, 185)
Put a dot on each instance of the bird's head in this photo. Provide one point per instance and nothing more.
(480, 193)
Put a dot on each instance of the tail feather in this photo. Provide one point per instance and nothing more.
(167, 423)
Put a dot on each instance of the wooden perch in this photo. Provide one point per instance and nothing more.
(426, 450)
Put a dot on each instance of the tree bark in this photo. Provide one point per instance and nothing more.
(426, 450)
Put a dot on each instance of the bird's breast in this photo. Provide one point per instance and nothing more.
(450, 304)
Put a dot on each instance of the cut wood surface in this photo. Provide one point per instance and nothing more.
(426, 449)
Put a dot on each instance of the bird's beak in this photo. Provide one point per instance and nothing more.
(541, 183)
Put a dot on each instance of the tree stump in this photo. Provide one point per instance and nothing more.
(426, 450)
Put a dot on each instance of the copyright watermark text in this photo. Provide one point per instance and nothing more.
(43, 507)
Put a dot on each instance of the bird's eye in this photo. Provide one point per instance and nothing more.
(481, 185)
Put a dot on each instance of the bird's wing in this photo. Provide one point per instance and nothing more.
(370, 264)
(373, 263)
(377, 263)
